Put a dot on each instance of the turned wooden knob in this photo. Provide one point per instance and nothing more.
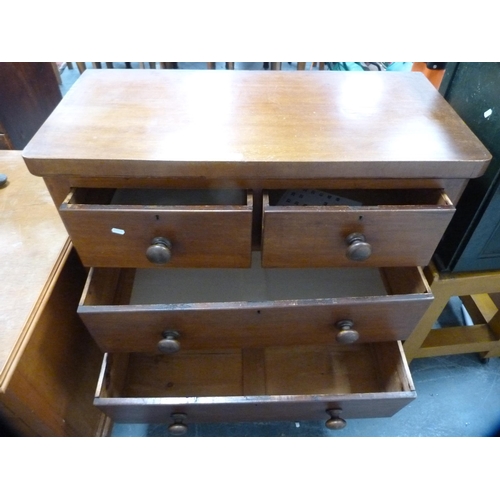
(335, 422)
(170, 343)
(178, 428)
(347, 334)
(358, 249)
(160, 251)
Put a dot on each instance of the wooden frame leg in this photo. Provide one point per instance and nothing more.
(482, 336)
(414, 342)
(55, 67)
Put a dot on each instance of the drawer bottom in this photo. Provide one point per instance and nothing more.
(285, 383)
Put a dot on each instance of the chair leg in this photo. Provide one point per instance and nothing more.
(56, 72)
(276, 66)
(230, 65)
(301, 66)
(81, 67)
(109, 65)
(210, 65)
(97, 65)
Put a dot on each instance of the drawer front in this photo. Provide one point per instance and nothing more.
(378, 236)
(300, 383)
(112, 235)
(244, 324)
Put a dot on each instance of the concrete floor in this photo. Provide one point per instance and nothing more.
(456, 395)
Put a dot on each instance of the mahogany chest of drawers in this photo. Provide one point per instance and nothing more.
(254, 238)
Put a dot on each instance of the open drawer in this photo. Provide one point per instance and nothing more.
(375, 227)
(285, 383)
(160, 227)
(134, 310)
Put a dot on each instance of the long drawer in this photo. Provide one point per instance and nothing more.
(285, 383)
(159, 228)
(146, 310)
(380, 228)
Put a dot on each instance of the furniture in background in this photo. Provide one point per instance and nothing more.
(152, 65)
(467, 260)
(433, 71)
(98, 65)
(482, 336)
(271, 310)
(472, 241)
(48, 361)
(29, 92)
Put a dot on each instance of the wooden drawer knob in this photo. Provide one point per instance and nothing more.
(358, 249)
(347, 334)
(160, 251)
(178, 428)
(170, 343)
(335, 422)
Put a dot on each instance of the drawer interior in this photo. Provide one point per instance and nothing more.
(157, 197)
(108, 286)
(358, 197)
(174, 286)
(284, 371)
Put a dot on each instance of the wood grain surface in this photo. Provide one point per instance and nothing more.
(32, 241)
(298, 382)
(255, 124)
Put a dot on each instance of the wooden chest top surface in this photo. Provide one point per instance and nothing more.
(254, 124)
(32, 244)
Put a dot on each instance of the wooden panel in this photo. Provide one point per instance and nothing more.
(48, 361)
(4, 142)
(255, 124)
(252, 324)
(29, 92)
(254, 371)
(119, 235)
(31, 248)
(52, 387)
(350, 372)
(458, 340)
(399, 235)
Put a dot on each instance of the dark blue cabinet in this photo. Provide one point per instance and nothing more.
(472, 240)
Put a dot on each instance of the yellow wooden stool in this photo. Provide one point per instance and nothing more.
(474, 289)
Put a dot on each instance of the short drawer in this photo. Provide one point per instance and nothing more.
(383, 228)
(132, 311)
(285, 383)
(158, 228)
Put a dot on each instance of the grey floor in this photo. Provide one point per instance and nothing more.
(456, 395)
